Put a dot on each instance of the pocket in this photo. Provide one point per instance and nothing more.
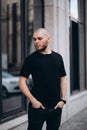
(31, 107)
(58, 110)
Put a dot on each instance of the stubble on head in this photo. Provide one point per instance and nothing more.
(44, 33)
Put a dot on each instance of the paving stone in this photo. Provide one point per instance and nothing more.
(77, 122)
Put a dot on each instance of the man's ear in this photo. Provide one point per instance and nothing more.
(49, 38)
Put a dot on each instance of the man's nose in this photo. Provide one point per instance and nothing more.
(36, 41)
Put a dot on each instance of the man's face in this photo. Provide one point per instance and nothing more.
(40, 41)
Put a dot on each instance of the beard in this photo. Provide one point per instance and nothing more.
(42, 49)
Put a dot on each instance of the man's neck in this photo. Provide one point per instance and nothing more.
(46, 51)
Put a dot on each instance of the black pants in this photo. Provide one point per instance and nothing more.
(37, 116)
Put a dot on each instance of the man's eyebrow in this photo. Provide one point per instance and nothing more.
(34, 38)
(37, 37)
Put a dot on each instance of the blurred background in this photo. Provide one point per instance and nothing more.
(66, 20)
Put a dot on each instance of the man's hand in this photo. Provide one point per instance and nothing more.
(59, 105)
(37, 104)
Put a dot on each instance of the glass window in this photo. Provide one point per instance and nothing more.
(74, 57)
(77, 46)
(11, 56)
(74, 8)
(18, 21)
(35, 19)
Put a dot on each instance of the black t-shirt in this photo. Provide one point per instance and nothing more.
(46, 70)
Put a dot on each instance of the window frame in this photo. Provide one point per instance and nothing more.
(71, 55)
(6, 116)
(0, 66)
(79, 22)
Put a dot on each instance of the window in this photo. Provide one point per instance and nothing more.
(77, 45)
(74, 8)
(75, 56)
(11, 100)
(35, 19)
(17, 23)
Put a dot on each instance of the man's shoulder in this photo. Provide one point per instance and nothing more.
(32, 54)
(30, 58)
(57, 54)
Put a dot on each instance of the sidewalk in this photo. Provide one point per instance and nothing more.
(77, 122)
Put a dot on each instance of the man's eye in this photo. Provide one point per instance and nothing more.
(34, 39)
(40, 38)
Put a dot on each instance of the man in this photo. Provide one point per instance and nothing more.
(47, 97)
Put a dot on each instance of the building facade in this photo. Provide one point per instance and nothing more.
(66, 21)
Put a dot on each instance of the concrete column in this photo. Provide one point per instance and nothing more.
(63, 46)
(51, 22)
(57, 22)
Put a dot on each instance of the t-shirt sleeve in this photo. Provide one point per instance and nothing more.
(26, 68)
(62, 71)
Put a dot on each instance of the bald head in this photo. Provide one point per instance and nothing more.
(41, 39)
(42, 31)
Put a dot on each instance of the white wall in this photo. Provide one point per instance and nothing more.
(57, 22)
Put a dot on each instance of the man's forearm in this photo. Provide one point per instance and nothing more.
(24, 88)
(27, 93)
(63, 88)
